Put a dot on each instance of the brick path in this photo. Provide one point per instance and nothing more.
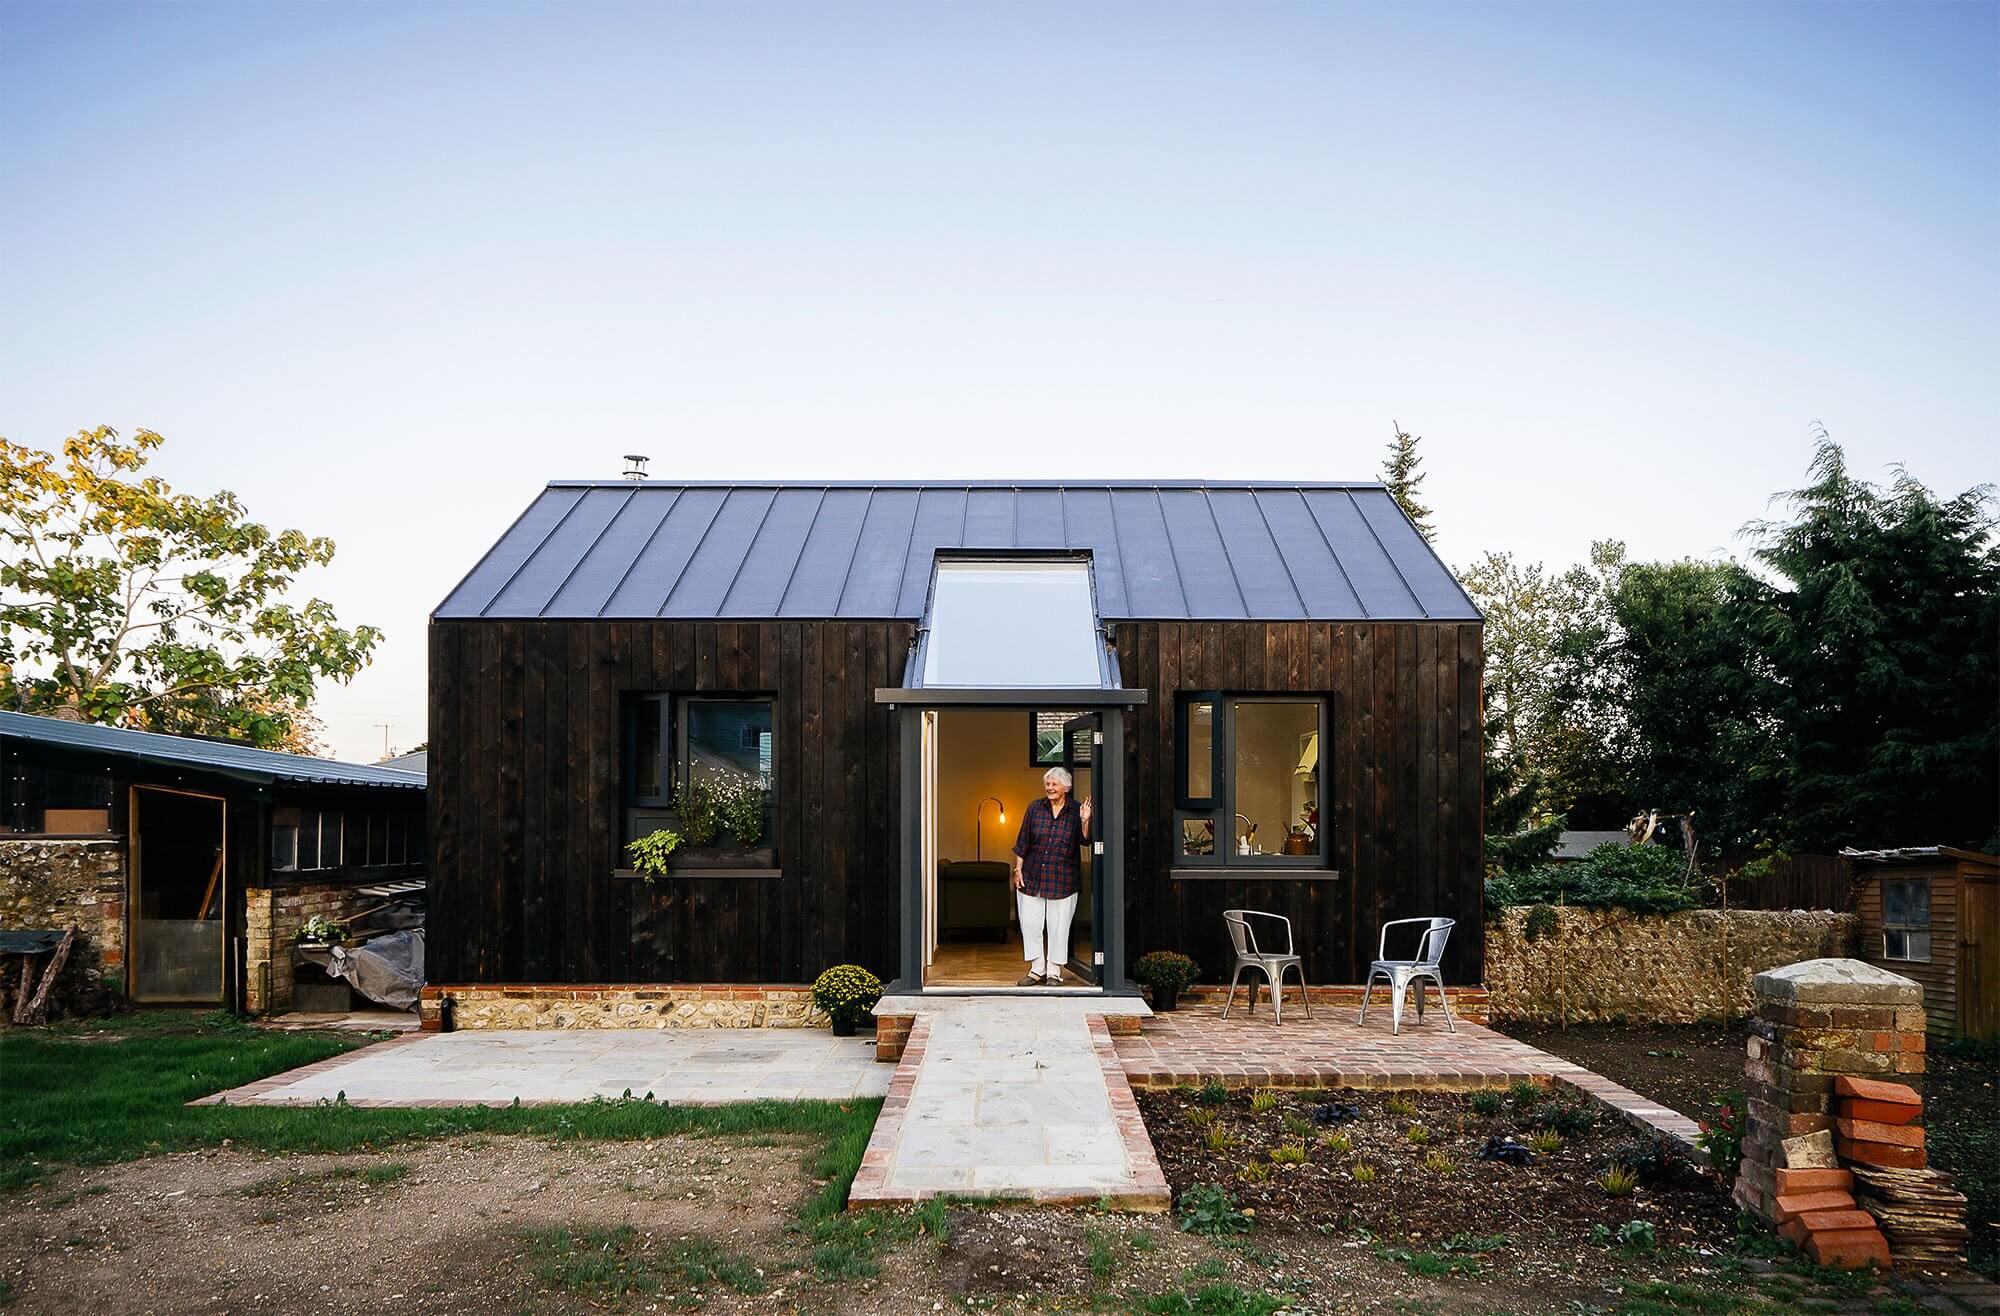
(1197, 1045)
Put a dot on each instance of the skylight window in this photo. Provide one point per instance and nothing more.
(1013, 623)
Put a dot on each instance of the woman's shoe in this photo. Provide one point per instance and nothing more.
(1030, 981)
(1054, 980)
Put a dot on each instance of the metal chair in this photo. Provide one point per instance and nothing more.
(1401, 973)
(1271, 964)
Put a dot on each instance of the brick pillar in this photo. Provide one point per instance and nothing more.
(260, 957)
(1814, 1022)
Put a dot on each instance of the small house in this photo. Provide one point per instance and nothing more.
(1932, 913)
(187, 865)
(1271, 691)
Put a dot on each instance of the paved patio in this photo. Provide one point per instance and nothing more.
(689, 1066)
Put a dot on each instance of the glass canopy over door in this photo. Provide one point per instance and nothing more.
(1013, 623)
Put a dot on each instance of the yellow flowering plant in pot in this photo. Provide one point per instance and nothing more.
(846, 993)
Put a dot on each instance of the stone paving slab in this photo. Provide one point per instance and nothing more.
(497, 1068)
(1010, 1099)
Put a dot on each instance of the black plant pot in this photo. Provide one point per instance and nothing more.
(1165, 999)
(843, 1026)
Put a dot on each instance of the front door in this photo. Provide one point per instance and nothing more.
(1083, 737)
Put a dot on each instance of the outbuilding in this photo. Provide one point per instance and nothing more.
(1932, 913)
(187, 865)
(1270, 691)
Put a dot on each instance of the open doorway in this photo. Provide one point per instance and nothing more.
(179, 895)
(984, 766)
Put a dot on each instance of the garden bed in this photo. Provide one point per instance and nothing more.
(1436, 1190)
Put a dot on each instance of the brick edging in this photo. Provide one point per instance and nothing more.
(1149, 1190)
(237, 1095)
(1648, 1116)
(871, 1181)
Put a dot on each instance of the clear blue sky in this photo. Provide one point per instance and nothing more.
(385, 269)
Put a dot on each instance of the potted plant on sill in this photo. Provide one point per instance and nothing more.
(319, 930)
(649, 853)
(846, 993)
(1168, 973)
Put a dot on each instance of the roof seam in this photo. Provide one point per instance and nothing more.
(1388, 556)
(640, 556)
(1332, 552)
(1167, 529)
(1222, 542)
(1279, 549)
(693, 553)
(798, 557)
(529, 556)
(749, 547)
(491, 549)
(569, 575)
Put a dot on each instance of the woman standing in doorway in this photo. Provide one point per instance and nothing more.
(1047, 875)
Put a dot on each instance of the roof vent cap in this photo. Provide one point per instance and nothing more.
(635, 465)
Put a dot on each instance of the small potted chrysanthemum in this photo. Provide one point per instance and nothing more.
(846, 993)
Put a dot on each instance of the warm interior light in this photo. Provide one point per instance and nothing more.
(1003, 815)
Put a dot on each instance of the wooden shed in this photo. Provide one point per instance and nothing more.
(1932, 913)
(1271, 691)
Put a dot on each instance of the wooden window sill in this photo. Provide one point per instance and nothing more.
(1253, 873)
(676, 874)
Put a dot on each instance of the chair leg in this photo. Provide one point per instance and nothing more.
(1277, 996)
(1231, 998)
(1305, 997)
(1397, 990)
(1444, 1003)
(1366, 988)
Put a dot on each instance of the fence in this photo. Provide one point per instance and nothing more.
(1803, 881)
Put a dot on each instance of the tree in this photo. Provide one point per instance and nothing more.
(1877, 626)
(1692, 682)
(1521, 834)
(1400, 473)
(122, 601)
(1549, 682)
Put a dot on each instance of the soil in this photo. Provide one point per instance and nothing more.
(1687, 1067)
(1542, 1224)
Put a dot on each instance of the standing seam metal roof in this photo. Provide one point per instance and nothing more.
(1164, 550)
(207, 755)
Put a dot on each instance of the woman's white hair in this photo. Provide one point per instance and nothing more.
(1061, 775)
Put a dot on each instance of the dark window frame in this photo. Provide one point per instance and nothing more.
(1905, 928)
(674, 722)
(1220, 807)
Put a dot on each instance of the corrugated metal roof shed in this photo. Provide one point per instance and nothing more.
(1163, 550)
(207, 755)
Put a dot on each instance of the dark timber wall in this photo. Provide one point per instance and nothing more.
(524, 796)
(1408, 786)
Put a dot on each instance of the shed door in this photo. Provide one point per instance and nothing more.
(1979, 958)
(178, 898)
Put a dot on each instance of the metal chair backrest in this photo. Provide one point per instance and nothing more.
(1244, 937)
(1430, 944)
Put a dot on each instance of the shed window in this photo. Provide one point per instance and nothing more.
(1906, 919)
(1251, 789)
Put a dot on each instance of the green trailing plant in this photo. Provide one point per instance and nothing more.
(695, 809)
(1541, 922)
(1618, 1181)
(1254, 1172)
(1291, 1153)
(847, 992)
(1263, 1101)
(1209, 1209)
(1165, 971)
(1487, 1103)
(649, 853)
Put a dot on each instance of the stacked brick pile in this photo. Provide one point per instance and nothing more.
(1815, 1023)
(1816, 1210)
(1879, 1138)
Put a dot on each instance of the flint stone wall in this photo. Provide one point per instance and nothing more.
(52, 884)
(636, 1006)
(1599, 965)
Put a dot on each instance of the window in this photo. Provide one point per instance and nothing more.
(979, 608)
(378, 840)
(726, 744)
(284, 840)
(1906, 920)
(1249, 780)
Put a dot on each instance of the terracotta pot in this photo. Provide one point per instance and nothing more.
(1298, 844)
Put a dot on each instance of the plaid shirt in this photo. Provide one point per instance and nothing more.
(1048, 845)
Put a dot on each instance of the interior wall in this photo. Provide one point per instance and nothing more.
(983, 752)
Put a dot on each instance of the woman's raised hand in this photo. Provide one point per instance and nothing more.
(1083, 814)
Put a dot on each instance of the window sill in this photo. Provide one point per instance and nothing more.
(1252, 873)
(676, 874)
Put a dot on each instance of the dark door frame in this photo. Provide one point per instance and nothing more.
(1107, 783)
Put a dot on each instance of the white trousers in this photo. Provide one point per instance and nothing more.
(1045, 931)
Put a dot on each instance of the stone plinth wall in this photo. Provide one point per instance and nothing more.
(54, 883)
(271, 915)
(1815, 1022)
(641, 1005)
(1599, 966)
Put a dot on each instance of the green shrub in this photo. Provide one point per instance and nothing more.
(1647, 879)
(695, 808)
(1545, 1142)
(847, 991)
(1212, 1093)
(1165, 970)
(1207, 1208)
(1618, 1181)
(1486, 1103)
